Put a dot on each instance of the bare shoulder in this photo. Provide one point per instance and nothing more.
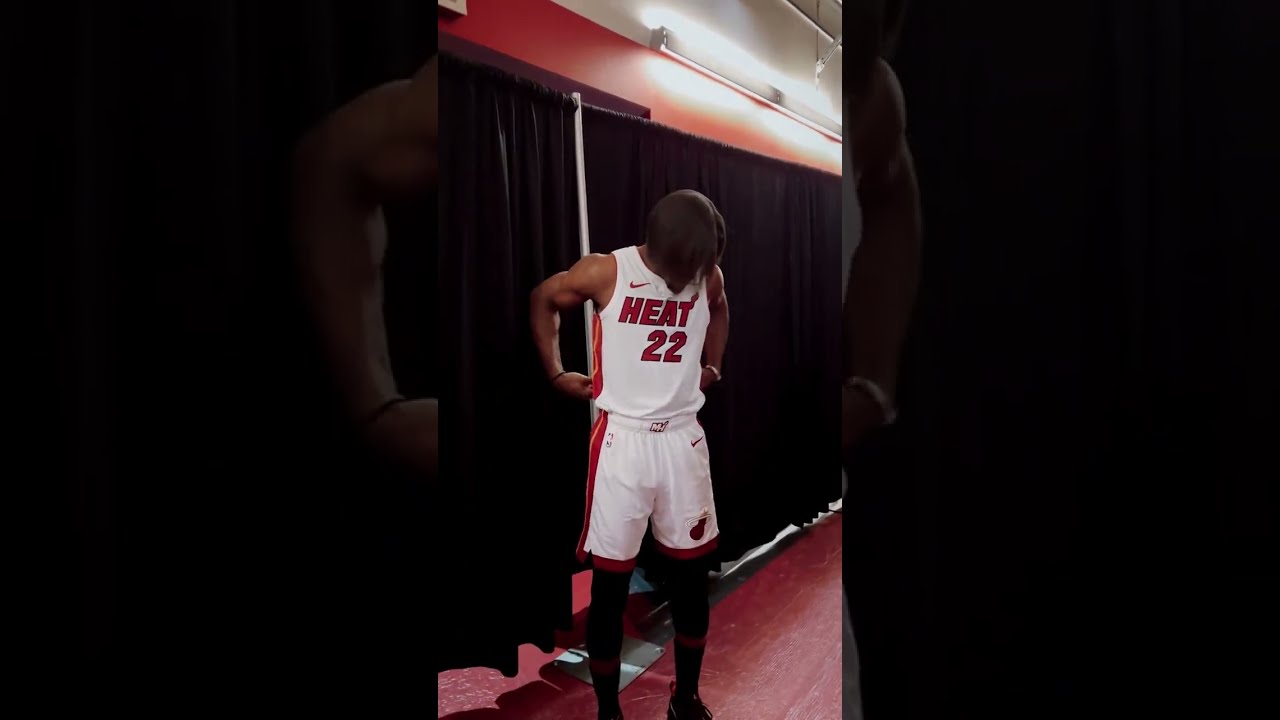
(886, 92)
(421, 108)
(879, 127)
(593, 273)
(591, 278)
(357, 124)
(404, 107)
(883, 111)
(715, 285)
(387, 134)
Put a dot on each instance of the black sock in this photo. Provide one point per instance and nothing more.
(690, 613)
(604, 636)
(688, 666)
(605, 682)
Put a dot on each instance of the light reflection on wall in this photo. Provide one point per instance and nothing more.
(701, 92)
(710, 42)
(716, 45)
(697, 89)
(801, 135)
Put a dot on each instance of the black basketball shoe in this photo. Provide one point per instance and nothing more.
(691, 709)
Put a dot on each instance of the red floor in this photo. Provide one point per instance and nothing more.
(773, 653)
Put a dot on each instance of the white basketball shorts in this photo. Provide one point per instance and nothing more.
(644, 473)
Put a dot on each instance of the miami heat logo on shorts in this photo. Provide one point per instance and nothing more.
(608, 440)
(698, 526)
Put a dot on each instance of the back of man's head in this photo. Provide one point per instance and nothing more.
(685, 236)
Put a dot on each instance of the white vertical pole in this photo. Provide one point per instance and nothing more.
(584, 233)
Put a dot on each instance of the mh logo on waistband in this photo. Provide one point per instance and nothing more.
(659, 427)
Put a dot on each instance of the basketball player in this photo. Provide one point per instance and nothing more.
(378, 147)
(881, 245)
(660, 310)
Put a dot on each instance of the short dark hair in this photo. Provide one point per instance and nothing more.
(685, 234)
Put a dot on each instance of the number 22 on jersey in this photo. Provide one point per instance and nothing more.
(651, 311)
(657, 339)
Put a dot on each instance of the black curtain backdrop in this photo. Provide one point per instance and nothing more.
(514, 452)
(773, 422)
(219, 533)
(1076, 515)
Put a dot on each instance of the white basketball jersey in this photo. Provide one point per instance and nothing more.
(648, 344)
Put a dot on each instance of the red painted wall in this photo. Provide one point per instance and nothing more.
(545, 34)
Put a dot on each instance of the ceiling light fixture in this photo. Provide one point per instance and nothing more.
(667, 43)
(831, 51)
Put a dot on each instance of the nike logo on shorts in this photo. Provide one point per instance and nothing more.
(695, 442)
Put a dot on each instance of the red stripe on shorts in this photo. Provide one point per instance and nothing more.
(597, 440)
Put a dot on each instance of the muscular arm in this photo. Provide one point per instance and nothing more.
(886, 267)
(718, 330)
(380, 146)
(591, 278)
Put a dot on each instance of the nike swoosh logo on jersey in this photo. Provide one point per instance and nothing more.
(695, 442)
(636, 285)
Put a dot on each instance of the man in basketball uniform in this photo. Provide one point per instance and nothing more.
(881, 245)
(660, 311)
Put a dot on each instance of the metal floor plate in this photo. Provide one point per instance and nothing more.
(637, 656)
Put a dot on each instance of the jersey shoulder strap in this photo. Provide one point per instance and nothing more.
(626, 259)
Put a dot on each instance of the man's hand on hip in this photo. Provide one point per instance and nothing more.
(709, 376)
(574, 385)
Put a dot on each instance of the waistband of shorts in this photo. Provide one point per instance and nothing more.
(678, 422)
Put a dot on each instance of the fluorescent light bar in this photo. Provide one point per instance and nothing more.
(757, 96)
(661, 41)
